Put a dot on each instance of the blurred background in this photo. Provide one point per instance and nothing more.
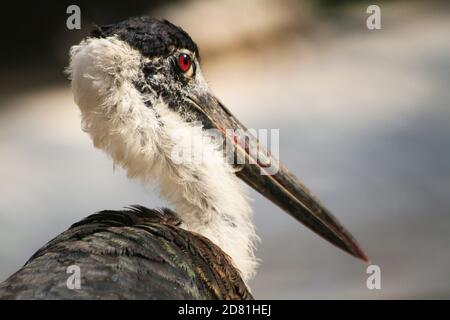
(364, 119)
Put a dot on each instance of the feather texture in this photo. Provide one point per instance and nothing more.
(131, 254)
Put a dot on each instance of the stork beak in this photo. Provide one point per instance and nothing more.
(279, 186)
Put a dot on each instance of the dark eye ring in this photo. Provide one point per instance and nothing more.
(184, 63)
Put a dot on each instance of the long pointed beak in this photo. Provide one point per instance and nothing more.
(280, 186)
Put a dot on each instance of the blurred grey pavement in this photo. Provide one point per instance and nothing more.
(364, 119)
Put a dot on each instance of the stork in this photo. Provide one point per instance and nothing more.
(136, 83)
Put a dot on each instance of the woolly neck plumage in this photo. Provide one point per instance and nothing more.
(138, 131)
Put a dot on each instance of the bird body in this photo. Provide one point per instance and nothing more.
(137, 253)
(143, 101)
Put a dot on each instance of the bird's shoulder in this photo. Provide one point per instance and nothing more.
(136, 253)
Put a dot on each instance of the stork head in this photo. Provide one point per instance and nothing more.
(124, 72)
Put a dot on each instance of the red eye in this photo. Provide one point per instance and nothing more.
(184, 62)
